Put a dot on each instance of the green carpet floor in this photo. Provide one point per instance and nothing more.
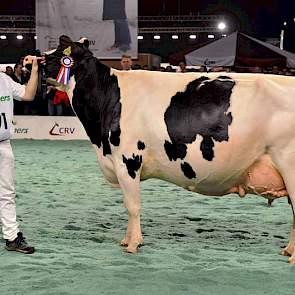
(193, 244)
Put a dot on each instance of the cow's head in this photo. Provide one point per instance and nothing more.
(76, 50)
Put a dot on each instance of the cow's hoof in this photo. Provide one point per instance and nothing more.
(124, 242)
(288, 251)
(132, 249)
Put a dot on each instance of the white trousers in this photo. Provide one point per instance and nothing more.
(7, 192)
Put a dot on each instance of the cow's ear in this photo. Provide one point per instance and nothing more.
(84, 41)
(65, 41)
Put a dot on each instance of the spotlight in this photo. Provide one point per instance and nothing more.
(285, 23)
(211, 36)
(3, 37)
(139, 37)
(157, 37)
(221, 26)
(19, 37)
(193, 37)
(174, 37)
(35, 37)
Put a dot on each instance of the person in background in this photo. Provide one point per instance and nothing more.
(50, 93)
(182, 67)
(9, 90)
(126, 62)
(61, 102)
(18, 75)
(115, 10)
(19, 107)
(9, 71)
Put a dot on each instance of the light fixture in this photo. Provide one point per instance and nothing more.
(224, 35)
(193, 37)
(19, 37)
(157, 37)
(139, 37)
(174, 37)
(35, 37)
(211, 36)
(3, 37)
(221, 26)
(285, 23)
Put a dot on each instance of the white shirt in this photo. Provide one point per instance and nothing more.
(9, 90)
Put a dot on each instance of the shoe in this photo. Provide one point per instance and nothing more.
(19, 244)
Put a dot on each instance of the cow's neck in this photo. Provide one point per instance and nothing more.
(96, 101)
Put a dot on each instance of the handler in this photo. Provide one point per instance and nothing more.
(9, 90)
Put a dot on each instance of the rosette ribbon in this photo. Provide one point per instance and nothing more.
(64, 72)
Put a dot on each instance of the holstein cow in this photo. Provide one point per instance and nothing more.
(210, 134)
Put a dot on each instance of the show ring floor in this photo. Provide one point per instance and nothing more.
(193, 244)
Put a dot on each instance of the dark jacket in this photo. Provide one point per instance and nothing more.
(114, 9)
(23, 80)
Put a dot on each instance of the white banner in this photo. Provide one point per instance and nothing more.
(54, 128)
(110, 25)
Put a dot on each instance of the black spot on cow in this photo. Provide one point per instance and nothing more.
(133, 164)
(175, 151)
(140, 145)
(188, 170)
(96, 97)
(202, 109)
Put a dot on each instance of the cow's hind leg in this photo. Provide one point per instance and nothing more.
(130, 186)
(285, 161)
(290, 249)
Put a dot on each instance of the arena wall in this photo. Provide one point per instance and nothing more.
(52, 128)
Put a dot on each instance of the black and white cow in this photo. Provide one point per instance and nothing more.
(210, 134)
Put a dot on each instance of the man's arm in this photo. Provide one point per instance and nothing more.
(31, 87)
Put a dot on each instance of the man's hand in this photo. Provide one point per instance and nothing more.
(31, 87)
(33, 60)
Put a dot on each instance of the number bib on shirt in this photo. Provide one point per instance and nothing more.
(6, 113)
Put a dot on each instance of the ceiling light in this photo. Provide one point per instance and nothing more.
(221, 26)
(19, 37)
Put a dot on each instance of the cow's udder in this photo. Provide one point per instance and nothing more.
(261, 178)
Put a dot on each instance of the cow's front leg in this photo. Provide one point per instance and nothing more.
(130, 185)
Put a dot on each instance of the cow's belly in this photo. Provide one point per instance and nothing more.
(260, 178)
